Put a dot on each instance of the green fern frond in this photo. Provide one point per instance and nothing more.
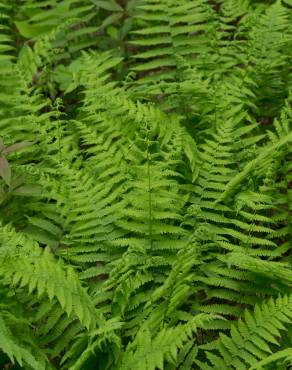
(16, 351)
(251, 340)
(41, 274)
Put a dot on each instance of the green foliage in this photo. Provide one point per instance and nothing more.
(250, 342)
(145, 184)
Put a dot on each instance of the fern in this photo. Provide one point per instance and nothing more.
(145, 184)
(11, 344)
(251, 340)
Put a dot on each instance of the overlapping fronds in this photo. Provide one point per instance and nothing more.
(145, 184)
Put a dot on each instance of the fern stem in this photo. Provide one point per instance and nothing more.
(149, 189)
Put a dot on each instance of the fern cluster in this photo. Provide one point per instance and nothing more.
(145, 184)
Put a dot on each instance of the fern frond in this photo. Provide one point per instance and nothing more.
(16, 351)
(40, 273)
(251, 340)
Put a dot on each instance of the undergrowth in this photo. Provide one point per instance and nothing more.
(145, 184)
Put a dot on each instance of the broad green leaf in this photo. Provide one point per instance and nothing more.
(28, 30)
(28, 190)
(111, 19)
(110, 5)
